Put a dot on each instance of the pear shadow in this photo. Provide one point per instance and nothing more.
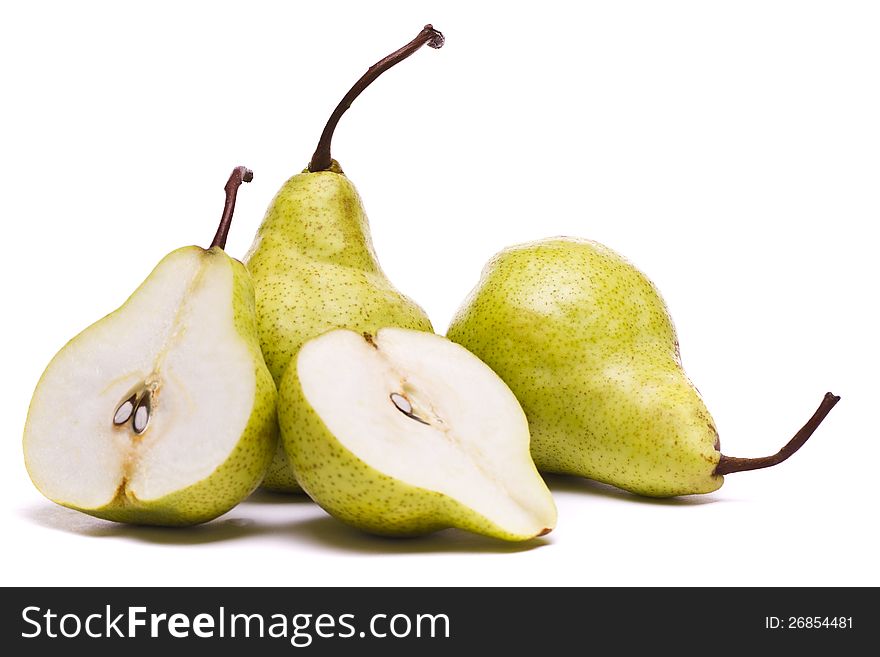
(322, 531)
(328, 532)
(73, 522)
(270, 497)
(571, 484)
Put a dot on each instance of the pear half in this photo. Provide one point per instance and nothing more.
(405, 433)
(163, 411)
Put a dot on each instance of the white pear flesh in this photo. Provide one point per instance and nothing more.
(178, 339)
(428, 414)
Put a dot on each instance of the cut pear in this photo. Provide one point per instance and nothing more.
(162, 412)
(407, 432)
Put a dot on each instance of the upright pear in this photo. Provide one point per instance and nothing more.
(162, 412)
(586, 344)
(313, 263)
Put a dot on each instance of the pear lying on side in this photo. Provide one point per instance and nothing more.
(585, 342)
(405, 433)
(313, 263)
(163, 412)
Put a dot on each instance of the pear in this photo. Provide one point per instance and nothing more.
(404, 432)
(313, 263)
(162, 412)
(587, 345)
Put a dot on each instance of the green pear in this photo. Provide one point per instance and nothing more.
(587, 345)
(404, 432)
(313, 263)
(162, 412)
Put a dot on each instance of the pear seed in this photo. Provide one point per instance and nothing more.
(124, 411)
(402, 403)
(142, 414)
(404, 406)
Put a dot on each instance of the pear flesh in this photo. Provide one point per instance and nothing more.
(406, 433)
(162, 412)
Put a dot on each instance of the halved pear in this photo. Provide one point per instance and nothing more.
(163, 411)
(406, 433)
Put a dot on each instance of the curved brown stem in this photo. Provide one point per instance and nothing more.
(730, 464)
(321, 160)
(238, 176)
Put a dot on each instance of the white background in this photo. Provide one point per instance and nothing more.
(731, 150)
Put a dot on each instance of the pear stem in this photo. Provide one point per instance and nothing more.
(238, 176)
(321, 160)
(730, 464)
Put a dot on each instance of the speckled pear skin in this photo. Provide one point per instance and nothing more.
(314, 270)
(585, 342)
(357, 494)
(243, 470)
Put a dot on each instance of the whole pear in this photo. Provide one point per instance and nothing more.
(313, 263)
(585, 342)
